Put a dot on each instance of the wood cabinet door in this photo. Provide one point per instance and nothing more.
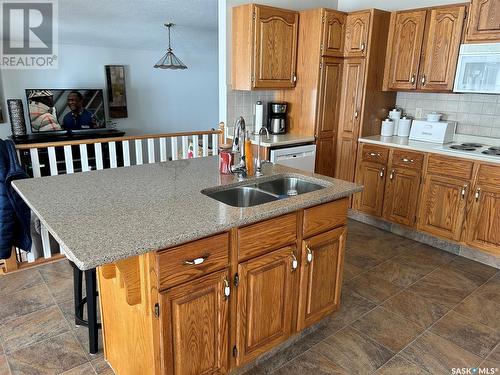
(264, 303)
(329, 96)
(333, 33)
(483, 220)
(401, 196)
(325, 156)
(322, 260)
(275, 47)
(345, 160)
(356, 34)
(441, 46)
(372, 177)
(404, 47)
(442, 206)
(194, 321)
(484, 21)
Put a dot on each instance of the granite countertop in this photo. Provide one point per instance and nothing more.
(277, 140)
(436, 148)
(99, 217)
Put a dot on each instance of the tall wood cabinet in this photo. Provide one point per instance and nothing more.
(423, 48)
(264, 47)
(484, 21)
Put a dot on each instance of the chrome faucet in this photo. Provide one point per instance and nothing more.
(258, 171)
(239, 136)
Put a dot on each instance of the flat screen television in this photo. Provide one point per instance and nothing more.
(65, 109)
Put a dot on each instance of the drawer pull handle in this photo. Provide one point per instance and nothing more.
(423, 80)
(393, 172)
(382, 172)
(464, 190)
(412, 79)
(196, 261)
(309, 254)
(363, 46)
(295, 263)
(375, 154)
(227, 289)
(356, 114)
(478, 194)
(406, 160)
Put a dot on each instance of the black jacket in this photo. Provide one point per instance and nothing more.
(15, 215)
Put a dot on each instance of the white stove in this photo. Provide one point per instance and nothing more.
(473, 148)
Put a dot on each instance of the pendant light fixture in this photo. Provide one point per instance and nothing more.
(169, 60)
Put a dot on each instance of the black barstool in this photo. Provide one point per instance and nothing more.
(91, 301)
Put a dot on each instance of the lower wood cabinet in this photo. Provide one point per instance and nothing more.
(401, 195)
(442, 207)
(264, 303)
(372, 176)
(194, 327)
(320, 276)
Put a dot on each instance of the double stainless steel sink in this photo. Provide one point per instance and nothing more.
(257, 193)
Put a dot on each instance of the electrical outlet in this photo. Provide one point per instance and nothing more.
(419, 113)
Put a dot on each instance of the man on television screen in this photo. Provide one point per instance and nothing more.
(79, 117)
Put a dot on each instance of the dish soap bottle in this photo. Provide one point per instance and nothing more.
(249, 155)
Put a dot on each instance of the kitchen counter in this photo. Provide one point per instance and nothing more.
(99, 217)
(436, 148)
(277, 140)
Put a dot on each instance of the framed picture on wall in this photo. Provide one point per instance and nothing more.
(117, 99)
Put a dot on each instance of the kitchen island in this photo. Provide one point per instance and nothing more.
(188, 284)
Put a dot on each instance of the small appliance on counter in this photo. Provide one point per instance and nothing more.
(433, 131)
(276, 122)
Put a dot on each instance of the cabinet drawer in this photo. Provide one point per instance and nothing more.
(450, 166)
(259, 238)
(489, 175)
(375, 154)
(327, 216)
(194, 259)
(407, 159)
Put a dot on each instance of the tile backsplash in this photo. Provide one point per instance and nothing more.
(242, 103)
(476, 114)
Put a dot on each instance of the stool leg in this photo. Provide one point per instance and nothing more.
(91, 284)
(77, 288)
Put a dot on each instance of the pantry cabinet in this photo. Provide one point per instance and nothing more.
(264, 47)
(484, 21)
(356, 34)
(320, 276)
(423, 49)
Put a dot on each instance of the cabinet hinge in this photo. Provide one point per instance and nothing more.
(235, 351)
(322, 47)
(321, 65)
(253, 78)
(254, 16)
(323, 19)
(236, 280)
(157, 310)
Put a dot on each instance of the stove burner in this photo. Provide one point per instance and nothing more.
(494, 148)
(472, 144)
(462, 148)
(492, 152)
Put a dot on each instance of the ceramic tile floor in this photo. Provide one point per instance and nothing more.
(406, 309)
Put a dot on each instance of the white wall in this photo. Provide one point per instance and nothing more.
(351, 5)
(158, 100)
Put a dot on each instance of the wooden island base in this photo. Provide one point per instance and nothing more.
(217, 303)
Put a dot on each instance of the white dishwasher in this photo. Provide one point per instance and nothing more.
(300, 157)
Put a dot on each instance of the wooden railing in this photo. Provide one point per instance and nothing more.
(66, 157)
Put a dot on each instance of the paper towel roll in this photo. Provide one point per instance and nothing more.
(259, 115)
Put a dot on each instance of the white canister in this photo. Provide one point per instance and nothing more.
(395, 115)
(387, 128)
(404, 127)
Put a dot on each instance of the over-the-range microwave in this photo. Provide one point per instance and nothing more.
(478, 69)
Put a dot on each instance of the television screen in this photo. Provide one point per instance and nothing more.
(61, 109)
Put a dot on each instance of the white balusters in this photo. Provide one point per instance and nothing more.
(112, 155)
(52, 161)
(68, 159)
(215, 144)
(175, 148)
(138, 151)
(163, 149)
(35, 162)
(126, 153)
(47, 253)
(151, 150)
(195, 146)
(84, 158)
(185, 147)
(205, 144)
(98, 156)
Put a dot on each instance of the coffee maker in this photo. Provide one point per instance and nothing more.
(276, 117)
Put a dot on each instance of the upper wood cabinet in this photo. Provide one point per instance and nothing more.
(423, 49)
(484, 21)
(320, 276)
(196, 312)
(356, 34)
(264, 47)
(333, 33)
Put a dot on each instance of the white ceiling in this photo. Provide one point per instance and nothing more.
(136, 24)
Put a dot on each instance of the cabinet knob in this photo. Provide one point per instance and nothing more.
(309, 254)
(363, 46)
(478, 194)
(464, 190)
(423, 80)
(412, 79)
(356, 114)
(195, 262)
(227, 289)
(295, 78)
(295, 263)
(382, 172)
(391, 176)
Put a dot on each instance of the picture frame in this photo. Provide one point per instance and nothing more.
(117, 99)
